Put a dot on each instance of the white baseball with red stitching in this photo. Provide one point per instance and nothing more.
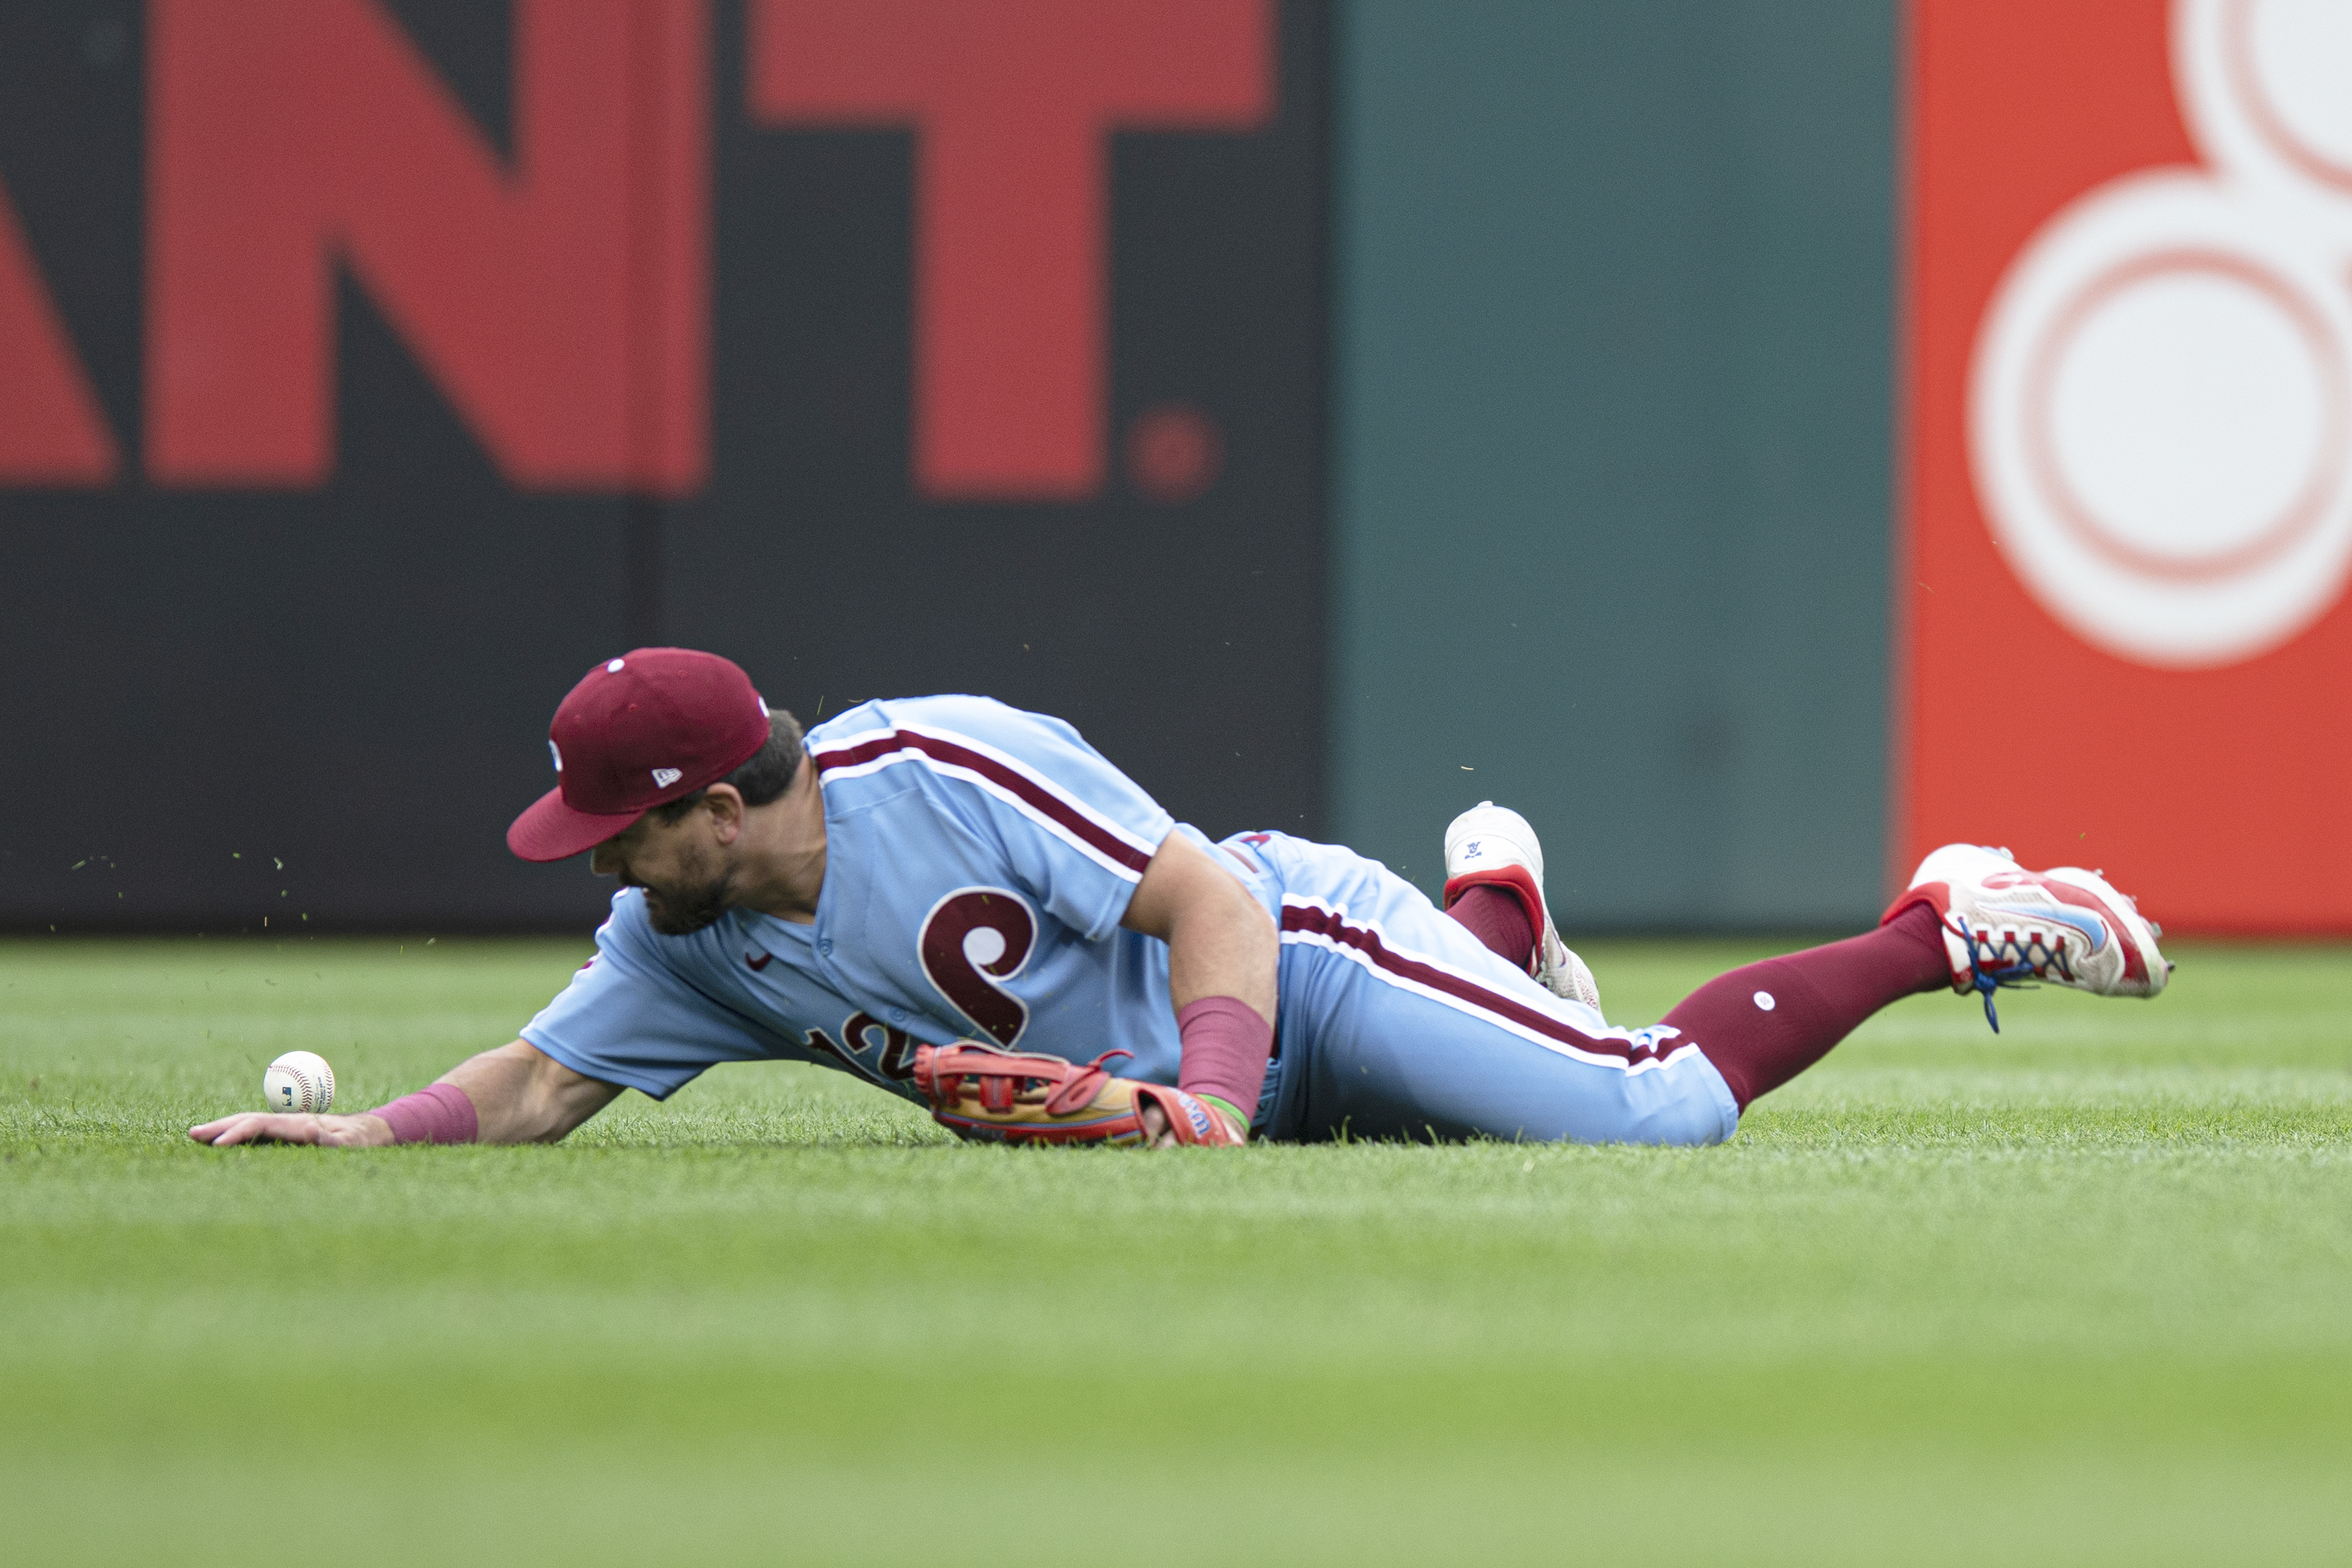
(298, 1082)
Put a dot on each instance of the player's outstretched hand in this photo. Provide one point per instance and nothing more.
(362, 1131)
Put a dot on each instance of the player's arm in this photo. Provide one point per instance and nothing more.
(517, 1094)
(1221, 959)
(1222, 951)
(1220, 941)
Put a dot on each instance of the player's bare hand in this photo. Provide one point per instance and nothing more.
(362, 1131)
(1157, 1133)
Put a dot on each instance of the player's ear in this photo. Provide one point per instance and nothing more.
(724, 802)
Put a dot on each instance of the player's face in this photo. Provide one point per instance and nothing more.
(688, 877)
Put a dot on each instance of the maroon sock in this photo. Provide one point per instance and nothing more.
(1763, 1024)
(1496, 917)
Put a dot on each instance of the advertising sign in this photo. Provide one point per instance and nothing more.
(2129, 362)
(371, 368)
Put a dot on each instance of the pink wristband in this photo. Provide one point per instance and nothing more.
(438, 1113)
(1226, 1045)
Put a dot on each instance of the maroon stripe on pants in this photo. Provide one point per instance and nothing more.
(1335, 928)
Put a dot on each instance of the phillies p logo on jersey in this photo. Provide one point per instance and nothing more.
(973, 937)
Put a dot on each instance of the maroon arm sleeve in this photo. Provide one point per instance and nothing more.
(438, 1113)
(1226, 1045)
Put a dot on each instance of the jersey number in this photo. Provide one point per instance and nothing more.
(971, 938)
(893, 1065)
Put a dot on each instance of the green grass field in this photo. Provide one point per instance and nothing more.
(2079, 1294)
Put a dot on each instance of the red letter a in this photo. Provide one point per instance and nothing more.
(560, 304)
(51, 432)
(1012, 101)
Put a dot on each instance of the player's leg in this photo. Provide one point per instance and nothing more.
(1494, 867)
(1495, 886)
(1403, 1026)
(1763, 1024)
(1499, 918)
(1397, 1022)
(1971, 920)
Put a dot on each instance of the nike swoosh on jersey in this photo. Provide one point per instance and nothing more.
(759, 962)
(2090, 925)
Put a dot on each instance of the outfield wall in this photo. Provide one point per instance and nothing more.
(368, 368)
(1611, 430)
(2130, 363)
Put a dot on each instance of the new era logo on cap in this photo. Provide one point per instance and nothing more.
(697, 712)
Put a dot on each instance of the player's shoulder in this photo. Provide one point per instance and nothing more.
(956, 753)
(888, 724)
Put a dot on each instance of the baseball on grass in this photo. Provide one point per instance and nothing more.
(298, 1081)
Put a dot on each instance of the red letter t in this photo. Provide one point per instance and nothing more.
(1012, 100)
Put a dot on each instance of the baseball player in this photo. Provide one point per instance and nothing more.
(967, 905)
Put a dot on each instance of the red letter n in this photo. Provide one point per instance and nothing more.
(51, 432)
(560, 304)
(1012, 101)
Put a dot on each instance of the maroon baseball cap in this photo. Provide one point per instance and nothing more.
(638, 732)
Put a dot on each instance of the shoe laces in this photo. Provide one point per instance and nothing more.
(2010, 957)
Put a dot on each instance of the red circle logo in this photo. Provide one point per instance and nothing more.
(1174, 453)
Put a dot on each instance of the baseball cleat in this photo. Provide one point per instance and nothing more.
(1492, 845)
(2004, 925)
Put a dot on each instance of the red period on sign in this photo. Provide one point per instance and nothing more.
(1174, 453)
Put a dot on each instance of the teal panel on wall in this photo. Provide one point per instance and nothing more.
(1611, 418)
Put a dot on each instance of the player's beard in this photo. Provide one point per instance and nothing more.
(701, 895)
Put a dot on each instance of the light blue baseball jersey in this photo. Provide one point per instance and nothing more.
(978, 862)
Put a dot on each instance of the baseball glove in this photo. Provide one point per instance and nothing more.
(985, 1092)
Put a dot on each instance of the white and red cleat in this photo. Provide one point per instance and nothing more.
(1492, 845)
(2004, 925)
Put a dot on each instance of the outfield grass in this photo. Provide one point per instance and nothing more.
(2079, 1294)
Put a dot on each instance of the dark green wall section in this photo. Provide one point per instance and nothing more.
(1611, 401)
